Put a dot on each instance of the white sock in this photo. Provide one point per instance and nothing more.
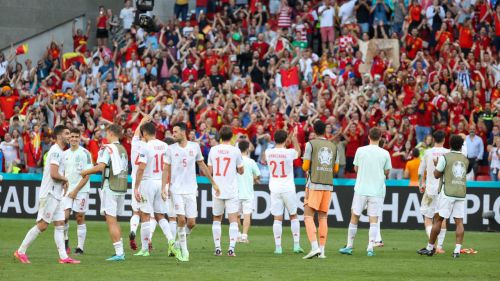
(458, 247)
(372, 235)
(351, 234)
(28, 239)
(173, 228)
(430, 246)
(379, 234)
(59, 239)
(145, 234)
(314, 245)
(441, 236)
(277, 231)
(216, 233)
(322, 249)
(66, 230)
(233, 234)
(244, 236)
(295, 227)
(188, 230)
(182, 239)
(134, 223)
(428, 230)
(118, 247)
(152, 227)
(81, 232)
(239, 235)
(166, 229)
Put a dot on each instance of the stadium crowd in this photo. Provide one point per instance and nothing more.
(261, 65)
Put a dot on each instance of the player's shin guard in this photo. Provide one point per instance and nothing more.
(216, 233)
(277, 231)
(166, 229)
(145, 234)
(173, 228)
(311, 231)
(295, 227)
(440, 239)
(323, 232)
(152, 227)
(30, 237)
(351, 234)
(66, 231)
(119, 248)
(59, 239)
(372, 235)
(81, 232)
(379, 234)
(182, 239)
(233, 234)
(134, 223)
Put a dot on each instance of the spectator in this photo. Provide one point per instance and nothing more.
(181, 8)
(494, 159)
(127, 15)
(326, 13)
(102, 26)
(10, 149)
(475, 149)
(411, 168)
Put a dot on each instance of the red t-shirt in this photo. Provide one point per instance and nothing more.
(290, 77)
(353, 144)
(188, 72)
(7, 104)
(109, 111)
(4, 128)
(261, 47)
(398, 162)
(424, 112)
(465, 38)
(80, 41)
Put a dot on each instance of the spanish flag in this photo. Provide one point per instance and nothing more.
(72, 57)
(22, 49)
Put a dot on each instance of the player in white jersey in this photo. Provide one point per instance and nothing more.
(76, 159)
(246, 181)
(151, 196)
(430, 186)
(180, 173)
(52, 189)
(282, 186)
(225, 163)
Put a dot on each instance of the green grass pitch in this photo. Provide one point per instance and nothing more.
(255, 261)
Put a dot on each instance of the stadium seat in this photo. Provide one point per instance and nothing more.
(483, 178)
(483, 170)
(350, 175)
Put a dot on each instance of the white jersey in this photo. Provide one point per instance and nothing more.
(427, 165)
(134, 156)
(152, 153)
(183, 167)
(74, 163)
(280, 162)
(48, 185)
(224, 160)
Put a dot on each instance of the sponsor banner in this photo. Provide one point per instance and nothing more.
(19, 199)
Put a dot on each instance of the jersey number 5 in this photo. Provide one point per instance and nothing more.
(227, 160)
(275, 166)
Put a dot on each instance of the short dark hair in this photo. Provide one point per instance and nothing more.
(59, 129)
(438, 136)
(243, 145)
(374, 134)
(415, 153)
(115, 129)
(319, 127)
(181, 126)
(75, 131)
(280, 136)
(381, 143)
(456, 142)
(169, 140)
(226, 133)
(148, 128)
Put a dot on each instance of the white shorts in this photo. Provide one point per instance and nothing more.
(78, 205)
(151, 198)
(230, 205)
(246, 206)
(280, 201)
(111, 204)
(133, 203)
(428, 205)
(185, 205)
(372, 204)
(450, 207)
(50, 209)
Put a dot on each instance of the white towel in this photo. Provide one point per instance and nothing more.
(116, 159)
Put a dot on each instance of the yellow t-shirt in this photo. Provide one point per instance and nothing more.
(412, 168)
(181, 2)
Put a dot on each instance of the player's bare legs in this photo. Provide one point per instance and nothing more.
(247, 219)
(459, 236)
(115, 234)
(311, 232)
(351, 234)
(134, 224)
(233, 233)
(278, 231)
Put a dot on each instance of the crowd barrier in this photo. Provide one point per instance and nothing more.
(19, 199)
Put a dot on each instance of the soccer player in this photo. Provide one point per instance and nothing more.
(372, 165)
(172, 217)
(113, 163)
(76, 159)
(251, 174)
(149, 192)
(282, 188)
(180, 173)
(452, 169)
(431, 185)
(321, 164)
(52, 189)
(225, 163)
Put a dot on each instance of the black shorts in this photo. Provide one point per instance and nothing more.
(102, 33)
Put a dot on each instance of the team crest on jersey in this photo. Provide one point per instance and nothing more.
(459, 169)
(325, 156)
(191, 153)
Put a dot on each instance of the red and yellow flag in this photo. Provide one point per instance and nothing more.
(22, 49)
(72, 57)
